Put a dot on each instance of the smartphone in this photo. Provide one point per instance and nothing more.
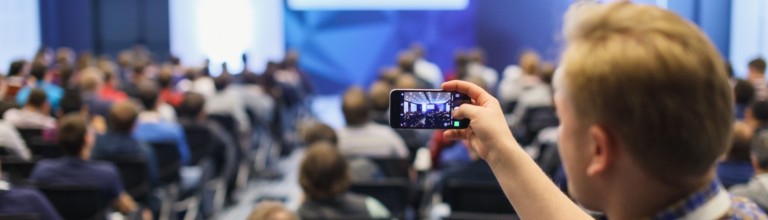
(425, 109)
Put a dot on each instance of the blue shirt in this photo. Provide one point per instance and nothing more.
(163, 132)
(52, 92)
(72, 171)
(734, 172)
(114, 145)
(26, 201)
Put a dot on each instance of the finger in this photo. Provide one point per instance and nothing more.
(454, 134)
(473, 91)
(466, 111)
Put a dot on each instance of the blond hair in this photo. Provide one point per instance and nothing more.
(269, 210)
(654, 80)
(529, 62)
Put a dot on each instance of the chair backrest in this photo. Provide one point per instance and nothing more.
(24, 216)
(45, 150)
(17, 169)
(480, 216)
(476, 196)
(4, 151)
(168, 161)
(393, 193)
(393, 167)
(76, 202)
(536, 119)
(31, 134)
(200, 141)
(135, 176)
(228, 122)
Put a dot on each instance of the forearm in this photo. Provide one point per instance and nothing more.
(531, 192)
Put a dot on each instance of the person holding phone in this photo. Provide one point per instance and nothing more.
(645, 110)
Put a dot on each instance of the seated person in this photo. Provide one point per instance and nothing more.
(167, 91)
(21, 200)
(53, 92)
(216, 141)
(756, 189)
(324, 177)
(271, 211)
(756, 115)
(364, 138)
(360, 169)
(152, 128)
(117, 143)
(34, 115)
(379, 93)
(228, 101)
(90, 85)
(744, 94)
(108, 90)
(76, 169)
(11, 141)
(736, 167)
(477, 170)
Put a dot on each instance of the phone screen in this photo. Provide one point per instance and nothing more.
(425, 109)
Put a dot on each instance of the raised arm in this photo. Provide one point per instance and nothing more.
(531, 192)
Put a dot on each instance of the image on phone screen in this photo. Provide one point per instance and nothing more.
(425, 109)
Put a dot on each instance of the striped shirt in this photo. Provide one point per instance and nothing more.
(712, 202)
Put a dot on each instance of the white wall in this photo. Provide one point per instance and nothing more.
(749, 33)
(19, 31)
(223, 30)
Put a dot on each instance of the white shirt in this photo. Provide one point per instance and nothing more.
(229, 102)
(204, 85)
(489, 75)
(429, 71)
(11, 139)
(21, 118)
(371, 140)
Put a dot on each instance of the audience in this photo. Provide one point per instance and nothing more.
(756, 189)
(324, 177)
(379, 93)
(34, 115)
(14, 81)
(228, 102)
(167, 91)
(757, 115)
(76, 168)
(53, 92)
(271, 211)
(214, 141)
(153, 128)
(477, 68)
(25, 200)
(131, 87)
(425, 69)
(12, 142)
(477, 170)
(90, 85)
(736, 168)
(519, 78)
(360, 169)
(117, 144)
(109, 89)
(362, 137)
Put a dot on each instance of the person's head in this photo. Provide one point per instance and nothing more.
(165, 78)
(406, 61)
(642, 95)
(379, 93)
(743, 92)
(757, 113)
(73, 136)
(477, 55)
(90, 79)
(323, 172)
(271, 211)
(319, 132)
(222, 82)
(759, 151)
(122, 117)
(149, 95)
(477, 81)
(38, 100)
(38, 71)
(417, 49)
(191, 106)
(17, 68)
(406, 81)
(355, 107)
(72, 102)
(389, 75)
(547, 71)
(757, 66)
(138, 72)
(125, 58)
(291, 58)
(64, 55)
(742, 138)
(529, 62)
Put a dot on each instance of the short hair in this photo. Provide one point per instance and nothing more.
(319, 132)
(16, 67)
(269, 210)
(406, 81)
(650, 77)
(122, 117)
(148, 94)
(192, 105)
(38, 71)
(165, 79)
(744, 92)
(379, 93)
(138, 69)
(221, 82)
(90, 79)
(37, 98)
(759, 148)
(742, 138)
(323, 172)
(66, 73)
(529, 62)
(757, 64)
(760, 110)
(71, 101)
(71, 132)
(355, 107)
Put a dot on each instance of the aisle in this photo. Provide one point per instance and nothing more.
(286, 188)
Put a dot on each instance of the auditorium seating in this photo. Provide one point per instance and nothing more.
(76, 202)
(393, 167)
(535, 120)
(29, 216)
(135, 177)
(16, 169)
(169, 162)
(393, 193)
(480, 216)
(477, 197)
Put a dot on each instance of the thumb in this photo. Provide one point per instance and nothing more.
(467, 111)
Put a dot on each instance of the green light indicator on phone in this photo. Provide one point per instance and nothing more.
(455, 123)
